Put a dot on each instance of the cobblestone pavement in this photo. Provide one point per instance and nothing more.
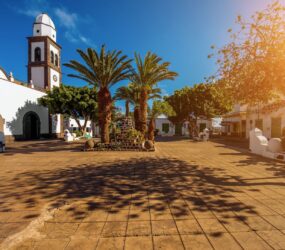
(185, 195)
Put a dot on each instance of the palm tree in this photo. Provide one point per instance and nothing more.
(125, 93)
(102, 70)
(150, 71)
(131, 95)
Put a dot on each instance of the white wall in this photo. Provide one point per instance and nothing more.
(185, 131)
(15, 102)
(41, 45)
(266, 121)
(56, 121)
(38, 76)
(44, 30)
(158, 125)
(2, 75)
(71, 123)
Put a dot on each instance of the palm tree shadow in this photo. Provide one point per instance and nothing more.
(40, 146)
(150, 183)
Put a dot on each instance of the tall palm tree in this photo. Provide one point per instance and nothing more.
(102, 70)
(149, 72)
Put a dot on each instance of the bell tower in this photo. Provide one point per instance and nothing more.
(44, 69)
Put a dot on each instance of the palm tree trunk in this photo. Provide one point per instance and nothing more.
(127, 105)
(151, 127)
(143, 110)
(137, 117)
(104, 113)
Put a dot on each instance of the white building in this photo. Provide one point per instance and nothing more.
(270, 118)
(91, 128)
(167, 128)
(22, 117)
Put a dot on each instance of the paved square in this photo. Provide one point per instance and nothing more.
(185, 195)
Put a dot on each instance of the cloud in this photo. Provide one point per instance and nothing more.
(31, 8)
(69, 21)
(66, 19)
(86, 41)
(75, 37)
(30, 12)
(70, 37)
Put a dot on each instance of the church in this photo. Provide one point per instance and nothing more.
(21, 118)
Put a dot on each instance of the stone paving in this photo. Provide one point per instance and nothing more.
(185, 195)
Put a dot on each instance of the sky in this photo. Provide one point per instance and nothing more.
(179, 31)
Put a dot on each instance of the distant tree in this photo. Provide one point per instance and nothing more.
(201, 100)
(102, 69)
(150, 70)
(252, 65)
(179, 103)
(158, 108)
(74, 102)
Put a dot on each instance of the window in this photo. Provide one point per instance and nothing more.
(38, 54)
(56, 60)
(52, 57)
(88, 129)
(165, 127)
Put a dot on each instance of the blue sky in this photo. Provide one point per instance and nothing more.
(180, 31)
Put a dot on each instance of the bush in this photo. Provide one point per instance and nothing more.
(134, 134)
(78, 133)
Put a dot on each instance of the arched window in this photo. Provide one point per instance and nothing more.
(52, 57)
(56, 60)
(38, 54)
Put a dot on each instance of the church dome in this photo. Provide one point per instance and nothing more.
(44, 26)
(44, 19)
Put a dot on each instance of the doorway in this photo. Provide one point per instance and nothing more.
(178, 129)
(31, 126)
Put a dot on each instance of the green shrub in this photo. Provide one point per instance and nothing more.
(78, 133)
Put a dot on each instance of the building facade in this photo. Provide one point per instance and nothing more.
(167, 128)
(22, 117)
(270, 118)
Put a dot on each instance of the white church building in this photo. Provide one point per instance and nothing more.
(20, 115)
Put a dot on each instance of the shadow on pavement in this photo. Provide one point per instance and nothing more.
(151, 183)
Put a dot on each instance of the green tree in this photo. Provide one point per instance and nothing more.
(102, 70)
(201, 100)
(74, 102)
(149, 72)
(158, 108)
(252, 64)
(179, 103)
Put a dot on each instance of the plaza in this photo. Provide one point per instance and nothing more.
(185, 195)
